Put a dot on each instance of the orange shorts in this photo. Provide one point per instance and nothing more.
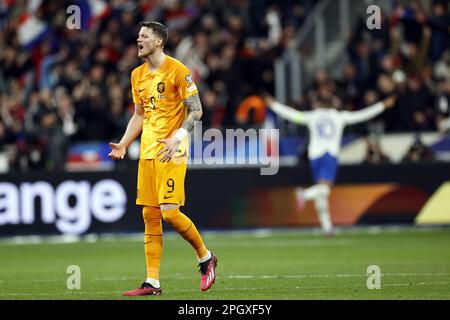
(160, 183)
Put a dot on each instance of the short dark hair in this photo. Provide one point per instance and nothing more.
(158, 28)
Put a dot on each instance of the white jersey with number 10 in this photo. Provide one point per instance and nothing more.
(326, 126)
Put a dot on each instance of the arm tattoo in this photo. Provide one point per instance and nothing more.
(194, 111)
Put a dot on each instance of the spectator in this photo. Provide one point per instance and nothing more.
(418, 153)
(414, 107)
(374, 153)
(440, 27)
(349, 87)
(212, 110)
(441, 68)
(251, 111)
(442, 106)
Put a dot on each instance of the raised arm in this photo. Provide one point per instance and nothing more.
(133, 130)
(368, 112)
(285, 111)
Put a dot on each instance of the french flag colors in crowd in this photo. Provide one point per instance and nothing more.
(91, 12)
(32, 30)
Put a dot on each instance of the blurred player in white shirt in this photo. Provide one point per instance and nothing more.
(325, 125)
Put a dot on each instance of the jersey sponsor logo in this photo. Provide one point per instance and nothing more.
(168, 197)
(161, 87)
(140, 90)
(153, 102)
(189, 79)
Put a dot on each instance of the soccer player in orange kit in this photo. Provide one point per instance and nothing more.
(167, 104)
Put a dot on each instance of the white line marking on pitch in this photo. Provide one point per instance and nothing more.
(271, 289)
(338, 275)
(292, 276)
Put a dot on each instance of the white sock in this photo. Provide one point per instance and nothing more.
(323, 213)
(153, 282)
(205, 258)
(316, 191)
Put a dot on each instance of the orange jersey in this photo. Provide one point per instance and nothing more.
(161, 93)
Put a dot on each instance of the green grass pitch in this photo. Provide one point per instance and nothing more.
(289, 264)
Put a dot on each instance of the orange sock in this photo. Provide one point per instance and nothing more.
(152, 240)
(186, 228)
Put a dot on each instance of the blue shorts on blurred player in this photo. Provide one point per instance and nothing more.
(324, 168)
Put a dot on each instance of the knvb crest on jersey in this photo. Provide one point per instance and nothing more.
(161, 87)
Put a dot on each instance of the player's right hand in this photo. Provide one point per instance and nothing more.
(118, 151)
(268, 99)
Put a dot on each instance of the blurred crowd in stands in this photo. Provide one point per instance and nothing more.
(74, 84)
(408, 56)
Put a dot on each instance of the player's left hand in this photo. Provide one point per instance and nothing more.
(389, 102)
(171, 146)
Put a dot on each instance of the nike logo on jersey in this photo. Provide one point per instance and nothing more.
(141, 90)
(166, 197)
